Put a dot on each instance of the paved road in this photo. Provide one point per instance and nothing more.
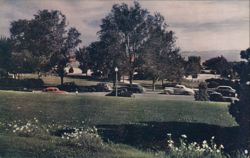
(153, 95)
(149, 95)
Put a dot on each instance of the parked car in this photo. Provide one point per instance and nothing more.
(122, 92)
(226, 91)
(53, 90)
(215, 96)
(136, 88)
(103, 87)
(69, 87)
(179, 89)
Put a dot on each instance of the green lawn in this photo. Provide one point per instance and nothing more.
(71, 110)
(108, 110)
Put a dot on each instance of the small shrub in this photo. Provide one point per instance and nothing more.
(199, 150)
(29, 129)
(185, 149)
(83, 138)
(201, 94)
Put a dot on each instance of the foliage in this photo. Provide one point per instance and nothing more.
(125, 36)
(245, 54)
(98, 59)
(83, 138)
(193, 66)
(5, 54)
(220, 65)
(23, 62)
(21, 83)
(124, 31)
(43, 42)
(201, 94)
(83, 57)
(3, 73)
(186, 150)
(240, 110)
(161, 59)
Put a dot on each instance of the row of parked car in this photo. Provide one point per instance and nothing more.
(72, 87)
(220, 93)
(126, 90)
(223, 94)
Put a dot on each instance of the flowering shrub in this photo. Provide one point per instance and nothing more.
(194, 149)
(29, 129)
(84, 138)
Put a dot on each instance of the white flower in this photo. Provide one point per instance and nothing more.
(246, 152)
(217, 150)
(213, 137)
(221, 146)
(169, 134)
(184, 136)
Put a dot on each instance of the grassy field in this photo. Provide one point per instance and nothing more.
(135, 122)
(109, 110)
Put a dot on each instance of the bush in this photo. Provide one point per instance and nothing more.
(240, 110)
(201, 94)
(215, 82)
(83, 138)
(9, 83)
(30, 128)
(194, 149)
(3, 73)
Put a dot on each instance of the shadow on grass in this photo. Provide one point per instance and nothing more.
(153, 135)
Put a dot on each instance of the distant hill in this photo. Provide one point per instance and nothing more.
(230, 55)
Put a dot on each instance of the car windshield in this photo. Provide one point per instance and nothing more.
(178, 86)
(226, 88)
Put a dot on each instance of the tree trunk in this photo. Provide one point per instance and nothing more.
(61, 77)
(131, 77)
(153, 85)
(162, 83)
(154, 82)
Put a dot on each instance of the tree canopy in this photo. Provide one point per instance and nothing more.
(220, 65)
(46, 38)
(241, 110)
(132, 39)
(193, 66)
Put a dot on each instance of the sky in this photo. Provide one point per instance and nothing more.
(199, 24)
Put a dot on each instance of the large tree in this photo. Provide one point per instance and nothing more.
(161, 58)
(124, 32)
(5, 55)
(46, 37)
(193, 66)
(241, 110)
(220, 65)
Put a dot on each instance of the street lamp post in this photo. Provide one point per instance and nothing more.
(116, 70)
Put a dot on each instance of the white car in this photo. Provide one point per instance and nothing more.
(179, 89)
